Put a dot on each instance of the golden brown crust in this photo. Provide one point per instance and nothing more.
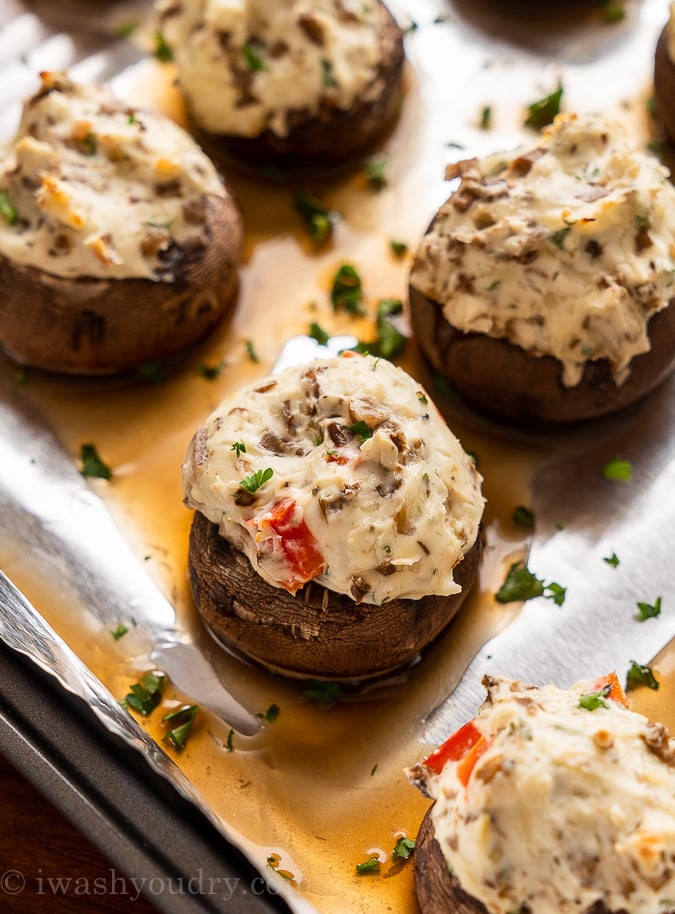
(98, 326)
(334, 137)
(317, 634)
(502, 379)
(664, 85)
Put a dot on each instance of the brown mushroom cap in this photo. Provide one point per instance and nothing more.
(332, 137)
(317, 633)
(500, 378)
(664, 84)
(99, 326)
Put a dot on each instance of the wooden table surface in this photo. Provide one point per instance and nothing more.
(48, 866)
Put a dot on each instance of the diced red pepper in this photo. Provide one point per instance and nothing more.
(616, 692)
(454, 748)
(466, 765)
(300, 547)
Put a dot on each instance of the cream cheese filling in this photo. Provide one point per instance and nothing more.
(565, 248)
(386, 500)
(99, 189)
(247, 66)
(568, 806)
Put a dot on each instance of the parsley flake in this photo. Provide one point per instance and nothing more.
(591, 701)
(146, 694)
(612, 560)
(252, 483)
(649, 610)
(485, 121)
(328, 74)
(253, 57)
(182, 720)
(92, 465)
(404, 848)
(558, 238)
(375, 171)
(323, 693)
(162, 50)
(271, 714)
(639, 675)
(250, 349)
(371, 865)
(523, 517)
(8, 212)
(347, 291)
(316, 332)
(211, 372)
(239, 448)
(543, 111)
(316, 219)
(398, 248)
(618, 470)
(522, 584)
(361, 429)
(119, 631)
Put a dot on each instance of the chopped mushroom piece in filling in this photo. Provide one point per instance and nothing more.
(564, 248)
(370, 494)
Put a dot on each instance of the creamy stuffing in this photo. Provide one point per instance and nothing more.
(571, 802)
(95, 188)
(247, 66)
(565, 248)
(366, 490)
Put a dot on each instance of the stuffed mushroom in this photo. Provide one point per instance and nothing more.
(291, 84)
(337, 524)
(551, 801)
(119, 243)
(543, 289)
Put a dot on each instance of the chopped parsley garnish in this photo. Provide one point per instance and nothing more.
(239, 448)
(181, 720)
(162, 50)
(485, 118)
(495, 284)
(271, 714)
(211, 372)
(542, 112)
(146, 694)
(317, 333)
(398, 248)
(591, 701)
(347, 290)
(8, 212)
(422, 397)
(389, 340)
(328, 74)
(250, 349)
(521, 584)
(92, 465)
(375, 171)
(373, 769)
(649, 610)
(361, 429)
(613, 11)
(252, 483)
(404, 848)
(152, 371)
(371, 865)
(323, 693)
(523, 517)
(639, 675)
(612, 560)
(119, 631)
(229, 743)
(558, 238)
(618, 470)
(317, 220)
(253, 57)
(90, 144)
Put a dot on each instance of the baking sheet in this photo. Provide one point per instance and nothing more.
(322, 788)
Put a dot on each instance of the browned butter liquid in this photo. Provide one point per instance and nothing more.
(322, 788)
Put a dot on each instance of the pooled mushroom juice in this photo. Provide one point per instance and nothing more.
(320, 790)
